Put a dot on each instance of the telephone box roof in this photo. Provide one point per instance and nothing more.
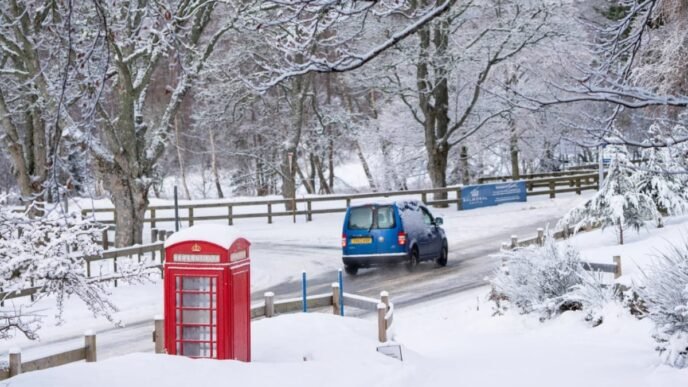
(218, 234)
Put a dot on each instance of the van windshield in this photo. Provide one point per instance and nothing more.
(361, 218)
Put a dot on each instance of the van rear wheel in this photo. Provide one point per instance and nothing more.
(351, 269)
(414, 259)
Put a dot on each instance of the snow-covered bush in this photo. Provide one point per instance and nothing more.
(618, 204)
(48, 252)
(546, 280)
(665, 293)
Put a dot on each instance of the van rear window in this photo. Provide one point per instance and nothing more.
(362, 218)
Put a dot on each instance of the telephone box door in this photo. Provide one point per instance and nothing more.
(195, 317)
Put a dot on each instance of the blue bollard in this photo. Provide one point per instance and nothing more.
(303, 291)
(341, 293)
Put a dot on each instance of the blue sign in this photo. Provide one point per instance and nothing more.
(484, 195)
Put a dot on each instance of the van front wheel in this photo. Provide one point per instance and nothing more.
(351, 269)
(442, 259)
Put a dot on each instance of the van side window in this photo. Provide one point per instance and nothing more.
(385, 217)
(427, 218)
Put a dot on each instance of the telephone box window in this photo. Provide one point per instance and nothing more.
(196, 316)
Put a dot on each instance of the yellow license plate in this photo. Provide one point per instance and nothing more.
(361, 241)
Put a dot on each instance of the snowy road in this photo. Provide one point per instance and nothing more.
(469, 264)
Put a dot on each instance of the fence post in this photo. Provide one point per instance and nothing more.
(15, 362)
(269, 304)
(114, 267)
(540, 236)
(617, 270)
(381, 324)
(552, 187)
(578, 186)
(159, 334)
(335, 298)
(458, 199)
(154, 235)
(309, 214)
(514, 241)
(269, 213)
(304, 291)
(106, 243)
(230, 221)
(424, 197)
(191, 216)
(348, 202)
(152, 211)
(168, 234)
(90, 346)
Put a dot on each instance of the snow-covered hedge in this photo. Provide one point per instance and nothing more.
(665, 294)
(547, 280)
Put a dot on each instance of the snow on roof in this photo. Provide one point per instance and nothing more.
(218, 234)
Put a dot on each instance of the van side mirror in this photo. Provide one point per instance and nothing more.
(439, 221)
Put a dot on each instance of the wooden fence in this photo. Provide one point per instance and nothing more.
(539, 240)
(153, 252)
(226, 210)
(16, 366)
(488, 179)
(271, 307)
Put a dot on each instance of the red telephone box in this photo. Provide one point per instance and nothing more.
(207, 293)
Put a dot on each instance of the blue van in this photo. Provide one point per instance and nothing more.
(375, 234)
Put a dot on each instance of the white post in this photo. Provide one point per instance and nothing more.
(159, 334)
(381, 323)
(540, 236)
(15, 361)
(335, 298)
(617, 262)
(90, 346)
(269, 304)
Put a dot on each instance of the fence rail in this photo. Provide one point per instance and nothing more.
(16, 366)
(226, 210)
(487, 179)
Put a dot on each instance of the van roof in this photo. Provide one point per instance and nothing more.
(401, 203)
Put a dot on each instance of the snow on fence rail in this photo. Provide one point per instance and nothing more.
(304, 206)
(16, 366)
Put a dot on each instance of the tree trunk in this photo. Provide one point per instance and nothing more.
(180, 158)
(330, 165)
(213, 163)
(131, 200)
(513, 149)
(437, 169)
(465, 172)
(366, 168)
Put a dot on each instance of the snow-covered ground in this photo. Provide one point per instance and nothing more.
(449, 342)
